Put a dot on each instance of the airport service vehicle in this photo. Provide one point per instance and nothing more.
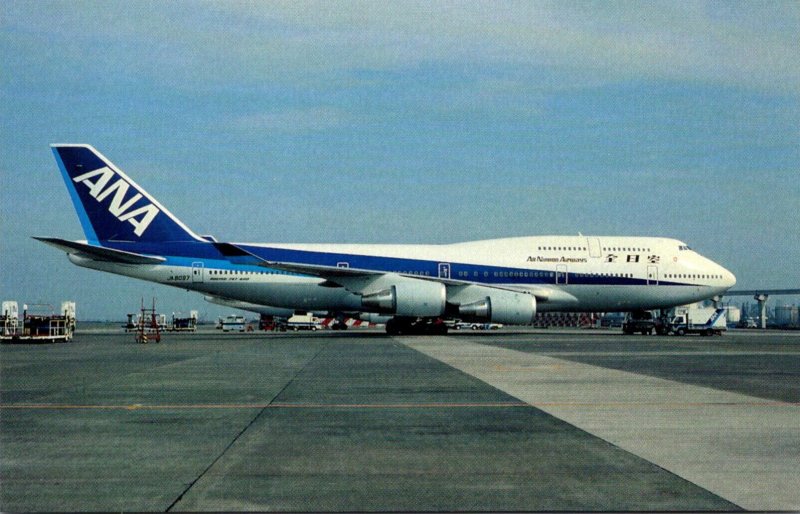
(39, 323)
(642, 322)
(748, 323)
(461, 325)
(304, 322)
(233, 323)
(697, 319)
(128, 232)
(184, 324)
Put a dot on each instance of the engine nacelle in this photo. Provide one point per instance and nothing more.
(502, 307)
(408, 298)
(373, 317)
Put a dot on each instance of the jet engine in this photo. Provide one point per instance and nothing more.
(507, 307)
(413, 298)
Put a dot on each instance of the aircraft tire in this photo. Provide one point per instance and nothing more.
(392, 327)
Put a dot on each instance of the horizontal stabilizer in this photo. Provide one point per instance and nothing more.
(99, 253)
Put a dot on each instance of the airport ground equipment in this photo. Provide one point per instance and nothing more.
(270, 323)
(642, 322)
(184, 324)
(42, 326)
(461, 325)
(130, 325)
(696, 319)
(305, 321)
(233, 323)
(148, 327)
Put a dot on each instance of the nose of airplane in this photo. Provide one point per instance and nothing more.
(728, 278)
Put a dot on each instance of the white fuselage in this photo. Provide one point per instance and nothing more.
(565, 273)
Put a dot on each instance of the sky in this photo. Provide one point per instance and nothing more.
(404, 122)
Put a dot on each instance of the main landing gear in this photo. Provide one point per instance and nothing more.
(415, 326)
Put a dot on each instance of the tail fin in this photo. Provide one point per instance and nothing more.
(111, 206)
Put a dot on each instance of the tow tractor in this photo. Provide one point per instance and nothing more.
(41, 326)
(639, 321)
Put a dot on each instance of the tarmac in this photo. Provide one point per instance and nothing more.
(507, 420)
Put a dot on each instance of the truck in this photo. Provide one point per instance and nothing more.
(642, 322)
(697, 319)
(305, 321)
(462, 325)
(233, 323)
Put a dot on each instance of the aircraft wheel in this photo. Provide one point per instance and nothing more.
(392, 327)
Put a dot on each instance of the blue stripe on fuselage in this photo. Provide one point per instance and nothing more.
(185, 253)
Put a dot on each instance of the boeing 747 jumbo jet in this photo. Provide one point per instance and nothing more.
(128, 232)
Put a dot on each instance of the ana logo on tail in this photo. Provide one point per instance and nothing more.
(122, 209)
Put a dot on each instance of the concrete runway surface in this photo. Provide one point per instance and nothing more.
(344, 421)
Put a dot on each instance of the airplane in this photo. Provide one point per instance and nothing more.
(507, 281)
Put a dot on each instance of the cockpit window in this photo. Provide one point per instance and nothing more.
(683, 247)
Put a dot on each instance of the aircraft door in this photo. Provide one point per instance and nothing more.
(197, 272)
(652, 275)
(444, 270)
(561, 274)
(594, 246)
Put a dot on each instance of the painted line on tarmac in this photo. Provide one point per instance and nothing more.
(742, 448)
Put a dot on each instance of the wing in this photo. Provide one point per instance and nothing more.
(355, 278)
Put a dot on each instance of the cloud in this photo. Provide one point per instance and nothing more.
(753, 45)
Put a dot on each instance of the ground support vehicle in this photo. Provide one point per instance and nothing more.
(642, 322)
(49, 327)
(181, 324)
(705, 322)
(270, 323)
(233, 323)
(478, 326)
(303, 322)
(148, 329)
